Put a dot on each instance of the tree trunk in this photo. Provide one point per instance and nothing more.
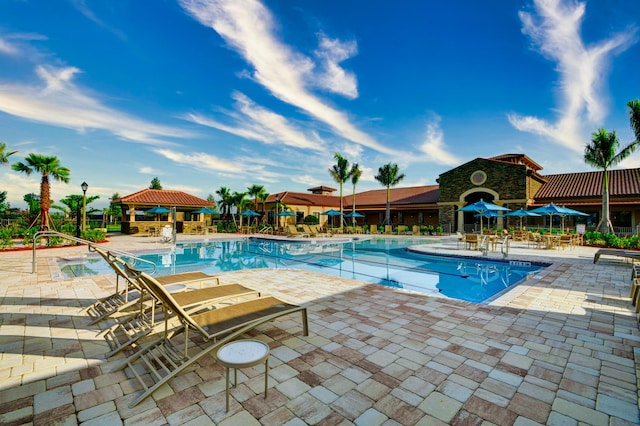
(45, 197)
(387, 218)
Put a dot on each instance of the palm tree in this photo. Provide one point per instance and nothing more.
(389, 175)
(4, 156)
(601, 153)
(262, 197)
(225, 197)
(48, 166)
(253, 192)
(340, 173)
(355, 174)
(237, 199)
(634, 115)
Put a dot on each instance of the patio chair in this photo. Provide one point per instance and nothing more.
(126, 297)
(471, 241)
(131, 329)
(308, 230)
(162, 360)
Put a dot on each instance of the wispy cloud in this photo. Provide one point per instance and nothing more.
(82, 7)
(258, 123)
(332, 77)
(434, 147)
(248, 28)
(59, 102)
(148, 170)
(201, 161)
(555, 31)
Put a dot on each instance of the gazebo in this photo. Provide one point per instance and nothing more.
(186, 205)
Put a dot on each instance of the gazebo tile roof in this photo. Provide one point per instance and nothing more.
(163, 197)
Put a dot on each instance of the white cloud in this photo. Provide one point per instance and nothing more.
(61, 103)
(555, 31)
(7, 48)
(332, 77)
(434, 147)
(260, 124)
(247, 27)
(201, 161)
(148, 170)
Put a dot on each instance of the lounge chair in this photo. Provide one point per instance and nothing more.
(308, 230)
(163, 360)
(628, 254)
(131, 329)
(292, 231)
(126, 297)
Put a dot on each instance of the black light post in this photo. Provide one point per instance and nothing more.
(84, 187)
(277, 218)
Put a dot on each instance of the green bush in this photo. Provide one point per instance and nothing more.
(311, 220)
(94, 235)
(5, 238)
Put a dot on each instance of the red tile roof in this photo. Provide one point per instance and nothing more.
(306, 199)
(162, 197)
(622, 183)
(399, 196)
(517, 159)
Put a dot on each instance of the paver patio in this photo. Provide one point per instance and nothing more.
(558, 349)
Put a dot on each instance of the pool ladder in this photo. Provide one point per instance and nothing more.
(485, 241)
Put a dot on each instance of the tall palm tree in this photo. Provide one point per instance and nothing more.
(634, 116)
(355, 174)
(225, 197)
(389, 175)
(340, 173)
(601, 153)
(4, 156)
(254, 191)
(48, 166)
(237, 199)
(262, 198)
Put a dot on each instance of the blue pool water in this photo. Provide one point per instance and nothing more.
(375, 260)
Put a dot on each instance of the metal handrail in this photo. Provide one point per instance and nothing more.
(90, 246)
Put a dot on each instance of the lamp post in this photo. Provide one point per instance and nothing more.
(84, 187)
(277, 210)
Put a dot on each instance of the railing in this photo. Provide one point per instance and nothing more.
(90, 245)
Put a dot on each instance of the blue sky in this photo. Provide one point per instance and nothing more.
(205, 93)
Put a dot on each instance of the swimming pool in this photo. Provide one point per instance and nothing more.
(383, 261)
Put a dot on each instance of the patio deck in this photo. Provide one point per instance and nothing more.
(560, 348)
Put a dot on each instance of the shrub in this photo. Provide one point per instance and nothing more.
(311, 220)
(94, 235)
(5, 238)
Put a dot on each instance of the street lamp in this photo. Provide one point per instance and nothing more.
(84, 187)
(278, 210)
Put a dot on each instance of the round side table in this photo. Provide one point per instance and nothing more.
(242, 354)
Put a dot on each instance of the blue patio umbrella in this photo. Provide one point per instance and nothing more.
(250, 213)
(286, 214)
(158, 210)
(481, 207)
(353, 214)
(331, 213)
(550, 210)
(522, 213)
(206, 210)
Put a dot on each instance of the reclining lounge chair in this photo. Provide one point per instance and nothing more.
(128, 296)
(163, 360)
(132, 328)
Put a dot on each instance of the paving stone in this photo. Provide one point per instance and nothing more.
(371, 417)
(49, 400)
(440, 406)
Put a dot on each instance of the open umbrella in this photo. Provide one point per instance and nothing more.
(158, 210)
(250, 213)
(286, 214)
(550, 210)
(522, 213)
(331, 213)
(353, 214)
(206, 210)
(481, 207)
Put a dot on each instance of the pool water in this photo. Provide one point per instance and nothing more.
(375, 260)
